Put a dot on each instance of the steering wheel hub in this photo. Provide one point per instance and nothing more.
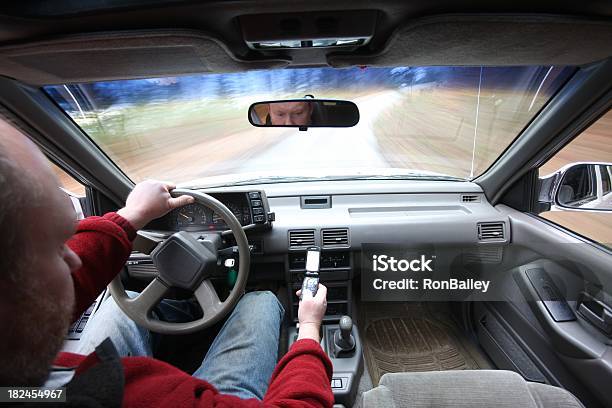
(182, 261)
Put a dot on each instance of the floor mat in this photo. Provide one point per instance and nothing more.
(406, 337)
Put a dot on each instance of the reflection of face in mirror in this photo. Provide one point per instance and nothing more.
(290, 113)
(304, 113)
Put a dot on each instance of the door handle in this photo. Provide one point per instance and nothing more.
(596, 312)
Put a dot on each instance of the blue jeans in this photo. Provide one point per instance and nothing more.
(240, 360)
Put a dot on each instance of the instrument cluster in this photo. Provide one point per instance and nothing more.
(197, 216)
(248, 207)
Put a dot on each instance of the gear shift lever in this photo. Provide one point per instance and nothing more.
(344, 341)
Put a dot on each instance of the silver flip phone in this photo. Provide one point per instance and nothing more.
(311, 277)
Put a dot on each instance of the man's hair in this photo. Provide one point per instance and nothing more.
(14, 197)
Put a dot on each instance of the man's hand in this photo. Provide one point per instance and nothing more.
(149, 200)
(311, 312)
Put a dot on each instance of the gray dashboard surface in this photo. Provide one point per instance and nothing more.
(381, 211)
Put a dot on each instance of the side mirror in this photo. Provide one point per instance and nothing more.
(304, 113)
(578, 186)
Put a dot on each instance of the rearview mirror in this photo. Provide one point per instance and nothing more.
(579, 186)
(304, 113)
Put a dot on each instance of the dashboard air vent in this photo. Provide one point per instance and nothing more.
(298, 239)
(491, 231)
(335, 237)
(470, 198)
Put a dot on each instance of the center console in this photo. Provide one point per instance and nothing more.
(347, 362)
(348, 365)
(340, 338)
(336, 273)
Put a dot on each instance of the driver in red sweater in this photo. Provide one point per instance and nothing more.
(52, 269)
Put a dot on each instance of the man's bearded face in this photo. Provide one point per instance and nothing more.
(290, 113)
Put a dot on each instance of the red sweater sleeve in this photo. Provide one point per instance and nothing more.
(301, 379)
(104, 245)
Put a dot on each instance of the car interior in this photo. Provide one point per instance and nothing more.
(542, 338)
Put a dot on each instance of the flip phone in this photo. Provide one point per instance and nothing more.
(311, 277)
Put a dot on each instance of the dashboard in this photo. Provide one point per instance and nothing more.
(411, 212)
(345, 215)
(249, 207)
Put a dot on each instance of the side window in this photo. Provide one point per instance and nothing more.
(68, 183)
(75, 189)
(582, 171)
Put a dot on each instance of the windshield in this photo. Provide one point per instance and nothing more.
(415, 122)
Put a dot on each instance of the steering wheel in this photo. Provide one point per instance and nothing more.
(185, 262)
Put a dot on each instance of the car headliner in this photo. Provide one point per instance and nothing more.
(68, 42)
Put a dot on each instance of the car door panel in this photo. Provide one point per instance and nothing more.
(574, 349)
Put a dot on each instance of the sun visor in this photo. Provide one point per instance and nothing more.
(490, 40)
(122, 55)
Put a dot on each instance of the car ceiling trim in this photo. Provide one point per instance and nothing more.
(128, 54)
(467, 39)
